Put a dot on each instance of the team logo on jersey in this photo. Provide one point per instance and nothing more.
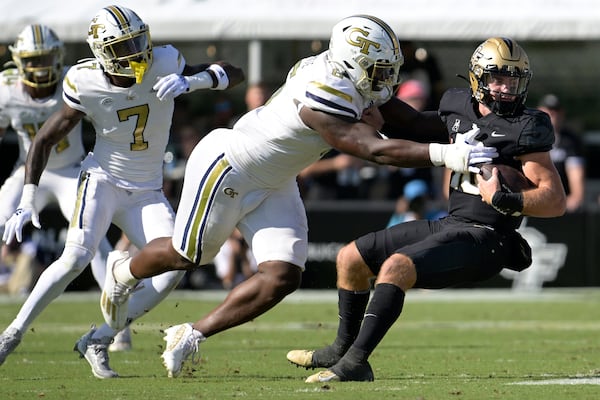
(106, 102)
(230, 192)
(456, 126)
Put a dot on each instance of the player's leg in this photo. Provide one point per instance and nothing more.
(62, 185)
(275, 226)
(449, 255)
(357, 263)
(82, 238)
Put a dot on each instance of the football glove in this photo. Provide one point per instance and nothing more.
(464, 154)
(171, 86)
(25, 212)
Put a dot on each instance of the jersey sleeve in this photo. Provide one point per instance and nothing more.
(318, 87)
(331, 99)
(537, 134)
(71, 95)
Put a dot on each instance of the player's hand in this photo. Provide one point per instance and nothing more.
(171, 86)
(14, 226)
(25, 212)
(372, 116)
(464, 154)
(478, 153)
(488, 187)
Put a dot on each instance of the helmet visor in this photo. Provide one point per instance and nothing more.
(383, 75)
(130, 47)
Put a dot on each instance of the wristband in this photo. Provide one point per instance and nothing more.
(201, 80)
(436, 153)
(221, 76)
(508, 203)
(28, 194)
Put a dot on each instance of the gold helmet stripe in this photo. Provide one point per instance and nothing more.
(118, 15)
(38, 38)
(386, 28)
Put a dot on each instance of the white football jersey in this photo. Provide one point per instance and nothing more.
(26, 116)
(271, 143)
(132, 125)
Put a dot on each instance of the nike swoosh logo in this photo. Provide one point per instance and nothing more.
(494, 134)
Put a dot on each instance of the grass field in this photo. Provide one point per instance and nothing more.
(447, 345)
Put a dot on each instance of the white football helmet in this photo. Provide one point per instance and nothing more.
(121, 42)
(368, 52)
(38, 55)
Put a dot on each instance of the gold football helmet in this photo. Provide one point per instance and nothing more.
(38, 55)
(504, 57)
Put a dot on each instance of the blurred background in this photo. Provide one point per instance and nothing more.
(266, 38)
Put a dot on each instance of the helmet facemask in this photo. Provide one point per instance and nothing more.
(38, 55)
(129, 55)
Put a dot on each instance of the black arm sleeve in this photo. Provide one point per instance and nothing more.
(404, 122)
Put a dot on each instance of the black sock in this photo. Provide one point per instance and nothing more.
(383, 310)
(351, 307)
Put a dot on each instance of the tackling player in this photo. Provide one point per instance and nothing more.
(245, 177)
(477, 239)
(127, 92)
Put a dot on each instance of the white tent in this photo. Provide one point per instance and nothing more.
(313, 19)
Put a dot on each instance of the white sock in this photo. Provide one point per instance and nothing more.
(123, 274)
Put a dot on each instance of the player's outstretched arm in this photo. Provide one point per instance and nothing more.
(362, 140)
(217, 76)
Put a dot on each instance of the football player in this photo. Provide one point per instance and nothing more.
(127, 92)
(245, 177)
(29, 94)
(474, 242)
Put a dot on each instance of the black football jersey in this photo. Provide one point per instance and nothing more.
(528, 131)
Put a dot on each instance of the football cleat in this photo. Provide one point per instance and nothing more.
(122, 341)
(181, 343)
(9, 340)
(96, 354)
(323, 376)
(302, 358)
(113, 301)
(321, 358)
(344, 371)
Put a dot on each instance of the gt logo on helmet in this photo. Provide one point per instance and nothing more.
(353, 37)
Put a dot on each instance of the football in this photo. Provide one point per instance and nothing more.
(511, 179)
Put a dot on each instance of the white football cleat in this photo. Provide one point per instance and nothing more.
(182, 342)
(96, 354)
(9, 340)
(113, 301)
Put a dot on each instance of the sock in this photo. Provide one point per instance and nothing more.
(123, 274)
(351, 307)
(198, 335)
(383, 310)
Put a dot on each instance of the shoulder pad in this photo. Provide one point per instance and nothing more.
(537, 134)
(9, 76)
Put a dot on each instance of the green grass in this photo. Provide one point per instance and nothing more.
(447, 345)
